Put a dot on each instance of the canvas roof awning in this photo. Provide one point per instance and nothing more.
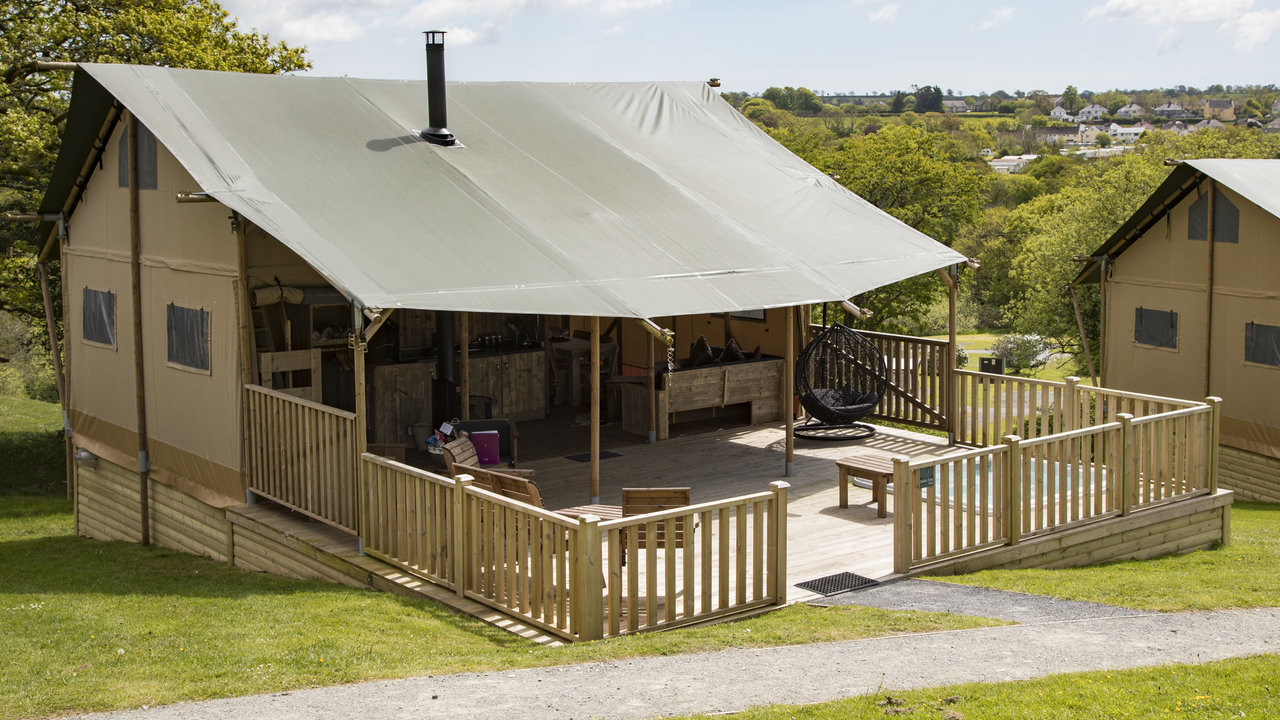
(634, 200)
(1258, 181)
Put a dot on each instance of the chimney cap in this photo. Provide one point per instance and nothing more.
(434, 37)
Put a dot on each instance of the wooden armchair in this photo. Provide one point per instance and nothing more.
(502, 483)
(461, 452)
(640, 501)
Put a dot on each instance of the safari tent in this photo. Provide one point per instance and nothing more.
(1191, 306)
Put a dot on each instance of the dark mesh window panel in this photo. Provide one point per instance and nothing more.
(1158, 328)
(1262, 344)
(99, 316)
(146, 159)
(188, 337)
(1198, 219)
(1226, 219)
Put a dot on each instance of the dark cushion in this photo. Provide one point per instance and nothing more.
(700, 353)
(732, 353)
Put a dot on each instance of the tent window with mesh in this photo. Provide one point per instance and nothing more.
(99, 317)
(1262, 344)
(188, 337)
(1157, 328)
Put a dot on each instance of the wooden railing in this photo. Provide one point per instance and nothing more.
(301, 454)
(568, 577)
(719, 558)
(1003, 494)
(918, 380)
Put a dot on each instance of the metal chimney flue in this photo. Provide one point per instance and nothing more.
(437, 131)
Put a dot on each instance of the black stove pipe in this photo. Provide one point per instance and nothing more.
(437, 132)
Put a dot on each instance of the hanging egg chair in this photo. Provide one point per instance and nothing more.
(840, 378)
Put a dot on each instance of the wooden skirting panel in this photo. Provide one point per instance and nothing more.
(263, 548)
(1250, 475)
(1177, 527)
(107, 505)
(181, 522)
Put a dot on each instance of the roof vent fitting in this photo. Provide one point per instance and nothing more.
(437, 132)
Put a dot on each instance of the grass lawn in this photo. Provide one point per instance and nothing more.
(88, 625)
(1238, 688)
(1245, 573)
(32, 459)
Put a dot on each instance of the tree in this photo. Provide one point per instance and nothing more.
(33, 102)
(899, 102)
(1071, 101)
(928, 99)
(1103, 140)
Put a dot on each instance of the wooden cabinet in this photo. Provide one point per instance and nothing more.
(515, 382)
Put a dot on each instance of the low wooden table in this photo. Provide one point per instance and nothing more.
(604, 512)
(872, 465)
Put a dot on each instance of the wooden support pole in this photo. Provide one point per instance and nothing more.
(1208, 292)
(248, 351)
(949, 372)
(595, 410)
(464, 372)
(779, 532)
(650, 390)
(590, 580)
(1072, 412)
(788, 385)
(51, 328)
(1102, 323)
(1084, 339)
(1013, 498)
(139, 369)
(358, 350)
(903, 516)
(460, 555)
(1128, 473)
(1215, 427)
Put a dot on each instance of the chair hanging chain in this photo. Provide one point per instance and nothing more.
(671, 358)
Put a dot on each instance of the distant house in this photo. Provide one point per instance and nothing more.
(1129, 135)
(1088, 134)
(1224, 110)
(1168, 110)
(1057, 135)
(1130, 111)
(1191, 306)
(1275, 108)
(955, 106)
(1177, 126)
(1091, 113)
(1060, 114)
(1209, 124)
(1011, 163)
(1272, 127)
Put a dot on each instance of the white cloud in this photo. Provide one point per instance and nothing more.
(615, 29)
(618, 7)
(322, 27)
(884, 14)
(1170, 40)
(998, 17)
(1253, 29)
(1172, 12)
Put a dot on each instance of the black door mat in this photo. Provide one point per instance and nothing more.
(838, 583)
(586, 457)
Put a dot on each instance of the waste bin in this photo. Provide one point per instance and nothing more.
(993, 365)
(481, 407)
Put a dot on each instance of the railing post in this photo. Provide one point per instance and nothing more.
(1013, 498)
(1127, 472)
(590, 580)
(458, 536)
(779, 531)
(1072, 419)
(904, 505)
(1215, 427)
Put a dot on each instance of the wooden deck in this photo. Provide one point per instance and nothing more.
(717, 464)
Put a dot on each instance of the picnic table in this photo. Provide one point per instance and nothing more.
(868, 464)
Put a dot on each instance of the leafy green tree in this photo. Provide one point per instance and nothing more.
(33, 102)
(928, 99)
(1112, 100)
(1022, 352)
(778, 97)
(899, 102)
(1071, 101)
(1103, 140)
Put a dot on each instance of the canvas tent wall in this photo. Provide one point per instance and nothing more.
(1165, 334)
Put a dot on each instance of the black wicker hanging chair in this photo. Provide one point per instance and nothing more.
(840, 378)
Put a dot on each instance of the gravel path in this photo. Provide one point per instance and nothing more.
(933, 596)
(737, 679)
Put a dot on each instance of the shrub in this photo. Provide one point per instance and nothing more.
(1022, 352)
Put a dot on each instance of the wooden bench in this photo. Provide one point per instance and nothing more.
(642, 501)
(462, 453)
(871, 465)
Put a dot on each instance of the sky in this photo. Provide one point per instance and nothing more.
(829, 46)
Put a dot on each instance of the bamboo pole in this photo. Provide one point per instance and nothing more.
(247, 342)
(1084, 339)
(139, 370)
(595, 409)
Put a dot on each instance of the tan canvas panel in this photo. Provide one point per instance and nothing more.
(1164, 254)
(1250, 391)
(194, 410)
(102, 378)
(268, 260)
(106, 440)
(1255, 437)
(184, 235)
(1159, 371)
(1250, 266)
(210, 482)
